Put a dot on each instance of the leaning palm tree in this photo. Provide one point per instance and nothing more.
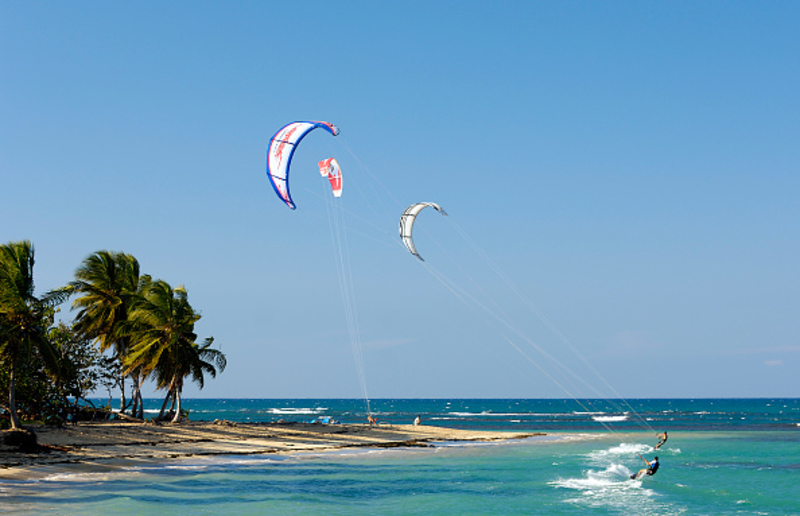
(23, 317)
(194, 360)
(163, 342)
(108, 283)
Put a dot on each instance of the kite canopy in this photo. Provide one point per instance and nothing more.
(330, 168)
(407, 224)
(280, 151)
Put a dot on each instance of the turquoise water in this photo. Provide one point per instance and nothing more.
(517, 414)
(742, 470)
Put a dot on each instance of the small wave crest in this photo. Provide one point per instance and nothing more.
(291, 411)
(610, 419)
(621, 450)
(498, 414)
(613, 475)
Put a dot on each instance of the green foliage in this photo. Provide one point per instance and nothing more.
(82, 367)
(24, 319)
(42, 392)
(163, 342)
(147, 324)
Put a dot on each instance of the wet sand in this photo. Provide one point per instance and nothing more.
(93, 442)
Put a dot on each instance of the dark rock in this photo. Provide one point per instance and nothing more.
(24, 440)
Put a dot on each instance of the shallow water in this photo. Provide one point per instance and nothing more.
(703, 472)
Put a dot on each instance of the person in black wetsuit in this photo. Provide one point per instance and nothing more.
(652, 467)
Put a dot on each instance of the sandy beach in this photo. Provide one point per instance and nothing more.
(91, 442)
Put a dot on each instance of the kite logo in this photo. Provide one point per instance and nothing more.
(283, 141)
(282, 192)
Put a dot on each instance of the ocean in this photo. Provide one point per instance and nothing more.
(723, 457)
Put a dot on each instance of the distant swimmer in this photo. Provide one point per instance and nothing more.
(651, 469)
(662, 438)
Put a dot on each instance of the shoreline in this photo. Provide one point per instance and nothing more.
(105, 441)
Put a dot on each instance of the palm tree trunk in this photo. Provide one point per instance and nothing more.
(138, 403)
(134, 403)
(164, 405)
(122, 392)
(141, 401)
(177, 418)
(12, 401)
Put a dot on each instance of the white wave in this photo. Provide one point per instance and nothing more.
(609, 419)
(484, 413)
(623, 450)
(238, 460)
(187, 467)
(612, 488)
(613, 477)
(504, 414)
(87, 476)
(291, 411)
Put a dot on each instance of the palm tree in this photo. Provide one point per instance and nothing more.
(195, 360)
(163, 342)
(108, 283)
(23, 317)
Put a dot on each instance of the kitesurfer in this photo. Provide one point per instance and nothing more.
(651, 469)
(662, 438)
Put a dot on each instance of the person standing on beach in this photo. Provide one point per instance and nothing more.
(417, 421)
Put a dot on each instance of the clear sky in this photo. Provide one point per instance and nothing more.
(632, 169)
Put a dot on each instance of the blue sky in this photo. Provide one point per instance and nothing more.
(631, 168)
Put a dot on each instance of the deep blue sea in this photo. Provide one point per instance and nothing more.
(723, 457)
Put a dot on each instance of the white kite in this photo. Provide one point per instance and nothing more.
(407, 224)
